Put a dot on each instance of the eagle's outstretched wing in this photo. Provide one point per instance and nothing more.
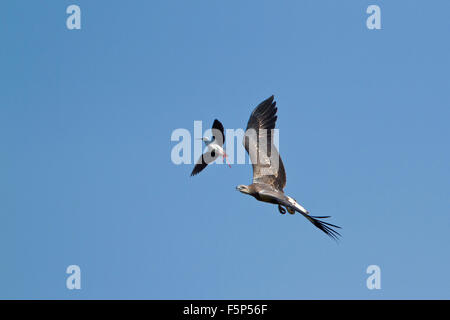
(258, 141)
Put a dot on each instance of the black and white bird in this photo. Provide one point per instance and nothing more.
(269, 177)
(215, 148)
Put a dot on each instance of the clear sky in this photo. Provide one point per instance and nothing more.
(86, 176)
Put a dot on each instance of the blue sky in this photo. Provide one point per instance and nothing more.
(86, 176)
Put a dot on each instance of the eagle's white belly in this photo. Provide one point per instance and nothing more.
(295, 204)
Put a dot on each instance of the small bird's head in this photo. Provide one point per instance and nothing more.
(204, 139)
(243, 188)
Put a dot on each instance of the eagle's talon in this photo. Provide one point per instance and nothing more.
(281, 209)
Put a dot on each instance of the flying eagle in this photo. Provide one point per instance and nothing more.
(269, 177)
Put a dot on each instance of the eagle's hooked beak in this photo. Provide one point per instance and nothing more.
(242, 189)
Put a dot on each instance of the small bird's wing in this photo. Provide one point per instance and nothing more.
(218, 132)
(258, 141)
(203, 161)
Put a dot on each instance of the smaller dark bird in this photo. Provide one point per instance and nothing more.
(215, 148)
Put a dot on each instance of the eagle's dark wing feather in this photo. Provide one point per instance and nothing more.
(258, 141)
